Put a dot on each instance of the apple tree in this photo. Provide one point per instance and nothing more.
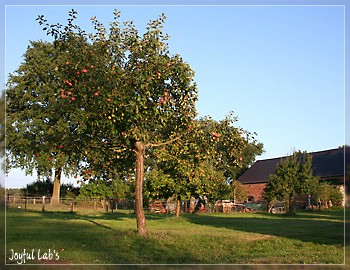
(39, 135)
(129, 92)
(200, 163)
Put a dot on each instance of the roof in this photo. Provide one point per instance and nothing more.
(328, 163)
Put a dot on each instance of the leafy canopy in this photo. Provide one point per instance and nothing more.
(293, 176)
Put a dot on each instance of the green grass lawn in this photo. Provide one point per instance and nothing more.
(239, 238)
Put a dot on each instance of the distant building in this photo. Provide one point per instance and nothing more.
(330, 165)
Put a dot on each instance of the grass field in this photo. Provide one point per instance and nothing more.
(239, 238)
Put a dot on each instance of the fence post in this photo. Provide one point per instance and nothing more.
(43, 207)
(25, 203)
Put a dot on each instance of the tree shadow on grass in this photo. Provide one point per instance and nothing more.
(316, 229)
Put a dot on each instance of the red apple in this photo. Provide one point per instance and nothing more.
(60, 146)
(67, 63)
(73, 98)
(78, 72)
(84, 70)
(215, 134)
(96, 94)
(168, 64)
(68, 82)
(69, 93)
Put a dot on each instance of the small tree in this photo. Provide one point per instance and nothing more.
(239, 192)
(38, 188)
(293, 176)
(201, 163)
(336, 196)
(158, 185)
(326, 192)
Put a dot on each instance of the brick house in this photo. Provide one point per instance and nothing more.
(329, 165)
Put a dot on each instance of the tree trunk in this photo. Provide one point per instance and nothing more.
(269, 208)
(290, 204)
(192, 204)
(55, 200)
(140, 215)
(178, 206)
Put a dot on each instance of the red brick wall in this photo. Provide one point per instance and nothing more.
(255, 190)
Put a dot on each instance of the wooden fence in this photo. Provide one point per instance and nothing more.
(67, 204)
(43, 203)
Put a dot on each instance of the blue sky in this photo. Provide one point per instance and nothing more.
(279, 68)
